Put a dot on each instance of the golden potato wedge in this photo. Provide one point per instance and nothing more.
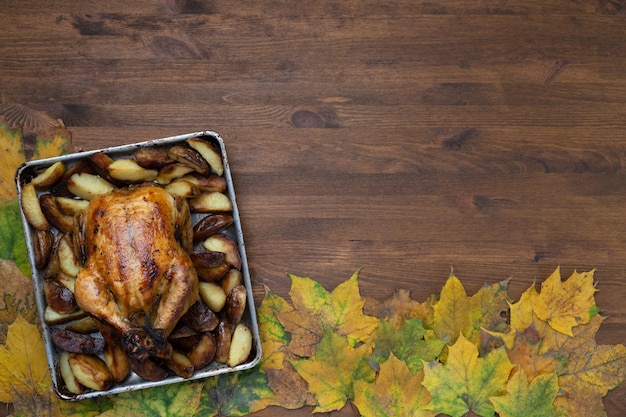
(148, 370)
(211, 182)
(87, 186)
(207, 259)
(84, 325)
(210, 225)
(100, 163)
(71, 206)
(32, 209)
(52, 317)
(180, 364)
(171, 172)
(71, 383)
(213, 295)
(240, 345)
(153, 158)
(182, 188)
(233, 278)
(209, 153)
(223, 336)
(210, 202)
(191, 157)
(68, 261)
(127, 170)
(55, 216)
(236, 304)
(76, 342)
(49, 176)
(114, 355)
(223, 243)
(42, 245)
(59, 297)
(90, 371)
(212, 274)
(203, 352)
(200, 318)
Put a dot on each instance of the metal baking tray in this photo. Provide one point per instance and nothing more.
(29, 170)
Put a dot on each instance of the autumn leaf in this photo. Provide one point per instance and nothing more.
(524, 398)
(395, 392)
(526, 354)
(565, 304)
(235, 394)
(13, 243)
(333, 370)
(400, 307)
(466, 382)
(174, 400)
(273, 335)
(24, 374)
(316, 310)
(11, 156)
(456, 313)
(408, 344)
(54, 142)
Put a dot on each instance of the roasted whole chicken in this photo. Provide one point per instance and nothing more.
(137, 277)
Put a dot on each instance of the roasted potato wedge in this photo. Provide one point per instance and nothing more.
(233, 278)
(100, 163)
(76, 342)
(68, 261)
(55, 216)
(223, 243)
(204, 351)
(210, 203)
(211, 182)
(240, 345)
(52, 317)
(209, 153)
(90, 371)
(153, 158)
(212, 274)
(180, 364)
(207, 259)
(42, 246)
(236, 304)
(59, 297)
(171, 172)
(210, 225)
(148, 370)
(115, 357)
(87, 186)
(71, 206)
(223, 336)
(127, 170)
(32, 209)
(200, 318)
(66, 280)
(84, 325)
(184, 224)
(213, 295)
(191, 157)
(49, 176)
(182, 188)
(71, 382)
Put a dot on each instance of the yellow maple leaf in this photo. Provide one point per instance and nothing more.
(57, 141)
(315, 310)
(23, 365)
(565, 304)
(396, 392)
(457, 313)
(11, 156)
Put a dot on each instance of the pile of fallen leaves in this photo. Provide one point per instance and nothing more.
(451, 354)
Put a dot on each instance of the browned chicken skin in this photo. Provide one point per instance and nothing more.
(137, 278)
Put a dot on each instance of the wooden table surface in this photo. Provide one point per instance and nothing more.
(406, 137)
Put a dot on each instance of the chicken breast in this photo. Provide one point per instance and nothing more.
(137, 278)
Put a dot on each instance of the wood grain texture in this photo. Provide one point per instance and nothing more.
(405, 137)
